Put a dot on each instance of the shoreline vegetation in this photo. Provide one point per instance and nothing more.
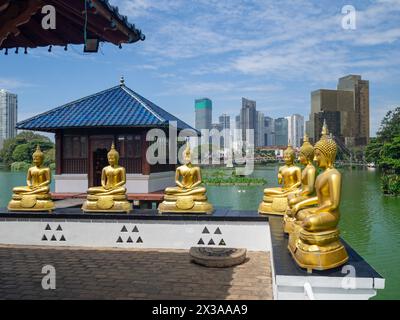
(384, 151)
(229, 178)
(16, 154)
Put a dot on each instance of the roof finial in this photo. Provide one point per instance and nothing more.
(122, 81)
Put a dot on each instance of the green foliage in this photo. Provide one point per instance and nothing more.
(220, 177)
(21, 153)
(373, 150)
(391, 184)
(20, 166)
(385, 152)
(21, 148)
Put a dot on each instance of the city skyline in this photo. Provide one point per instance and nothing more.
(276, 58)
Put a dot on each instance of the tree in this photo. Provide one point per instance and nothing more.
(21, 148)
(21, 153)
(385, 152)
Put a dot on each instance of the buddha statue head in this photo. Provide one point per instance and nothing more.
(38, 157)
(289, 155)
(187, 154)
(113, 156)
(325, 149)
(306, 154)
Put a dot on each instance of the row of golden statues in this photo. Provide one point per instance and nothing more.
(309, 204)
(111, 196)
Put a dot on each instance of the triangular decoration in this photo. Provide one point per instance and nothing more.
(218, 231)
(124, 229)
(129, 240)
(222, 243)
(205, 230)
(44, 238)
(62, 238)
(119, 240)
(59, 228)
(211, 242)
(139, 240)
(48, 227)
(135, 229)
(200, 241)
(53, 238)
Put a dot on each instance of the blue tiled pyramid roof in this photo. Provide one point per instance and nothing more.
(116, 107)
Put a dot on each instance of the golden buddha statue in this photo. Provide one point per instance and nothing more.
(314, 242)
(35, 196)
(275, 200)
(111, 195)
(306, 156)
(188, 196)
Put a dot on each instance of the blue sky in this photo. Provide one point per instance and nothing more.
(275, 52)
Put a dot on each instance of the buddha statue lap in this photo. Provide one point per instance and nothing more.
(314, 243)
(188, 196)
(307, 188)
(111, 195)
(35, 196)
(275, 200)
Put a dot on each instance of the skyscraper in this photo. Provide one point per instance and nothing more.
(225, 125)
(203, 113)
(260, 139)
(248, 118)
(225, 121)
(351, 102)
(360, 89)
(295, 129)
(281, 132)
(8, 116)
(269, 131)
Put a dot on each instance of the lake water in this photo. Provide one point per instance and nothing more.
(370, 222)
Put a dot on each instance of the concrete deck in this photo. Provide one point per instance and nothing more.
(129, 274)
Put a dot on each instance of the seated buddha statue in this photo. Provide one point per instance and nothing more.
(306, 156)
(111, 195)
(35, 196)
(314, 243)
(275, 200)
(188, 195)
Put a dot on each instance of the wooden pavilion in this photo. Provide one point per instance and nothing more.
(85, 129)
(77, 22)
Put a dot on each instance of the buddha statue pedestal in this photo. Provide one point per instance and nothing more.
(187, 204)
(117, 203)
(317, 250)
(35, 196)
(28, 202)
(275, 206)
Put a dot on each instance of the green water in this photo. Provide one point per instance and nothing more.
(370, 222)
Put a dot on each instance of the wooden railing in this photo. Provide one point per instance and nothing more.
(132, 165)
(74, 166)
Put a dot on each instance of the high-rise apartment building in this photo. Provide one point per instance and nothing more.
(269, 131)
(203, 113)
(281, 132)
(8, 116)
(225, 121)
(260, 130)
(295, 130)
(248, 118)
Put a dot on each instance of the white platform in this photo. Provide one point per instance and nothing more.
(135, 183)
